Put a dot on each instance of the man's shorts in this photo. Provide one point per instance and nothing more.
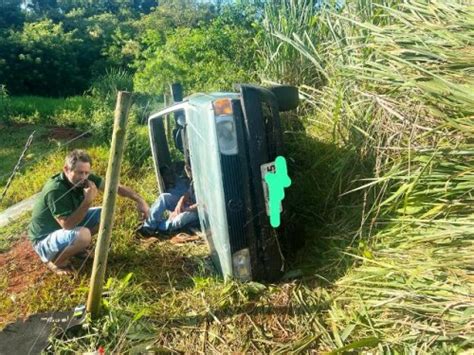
(55, 242)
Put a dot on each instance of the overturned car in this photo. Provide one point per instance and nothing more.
(229, 141)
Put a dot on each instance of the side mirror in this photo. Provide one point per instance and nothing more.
(177, 92)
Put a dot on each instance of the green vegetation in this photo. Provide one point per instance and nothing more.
(202, 59)
(58, 48)
(389, 91)
(13, 141)
(72, 111)
(44, 158)
(381, 158)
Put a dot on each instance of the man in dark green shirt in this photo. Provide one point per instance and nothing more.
(64, 220)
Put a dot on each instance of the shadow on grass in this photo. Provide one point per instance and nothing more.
(163, 265)
(247, 309)
(321, 222)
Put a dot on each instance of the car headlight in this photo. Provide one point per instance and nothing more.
(226, 135)
(241, 264)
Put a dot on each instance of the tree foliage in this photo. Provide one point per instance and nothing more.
(61, 47)
(41, 58)
(11, 15)
(206, 58)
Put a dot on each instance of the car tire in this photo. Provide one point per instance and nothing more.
(287, 97)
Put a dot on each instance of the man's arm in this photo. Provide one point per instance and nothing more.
(189, 203)
(181, 206)
(142, 206)
(71, 221)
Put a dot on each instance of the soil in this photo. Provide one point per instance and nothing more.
(24, 268)
(54, 132)
(22, 265)
(64, 133)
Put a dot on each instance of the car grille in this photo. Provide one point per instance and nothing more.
(234, 191)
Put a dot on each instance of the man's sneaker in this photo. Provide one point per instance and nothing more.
(163, 234)
(145, 231)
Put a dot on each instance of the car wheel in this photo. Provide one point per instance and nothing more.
(287, 97)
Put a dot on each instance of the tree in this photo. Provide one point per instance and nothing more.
(205, 58)
(42, 59)
(11, 15)
(56, 10)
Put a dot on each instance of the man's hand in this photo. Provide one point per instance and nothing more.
(179, 208)
(73, 220)
(172, 215)
(90, 191)
(191, 208)
(143, 210)
(176, 212)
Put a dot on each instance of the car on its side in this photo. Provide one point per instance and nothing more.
(229, 140)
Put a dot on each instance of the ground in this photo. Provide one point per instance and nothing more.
(63, 133)
(22, 271)
(23, 267)
(25, 270)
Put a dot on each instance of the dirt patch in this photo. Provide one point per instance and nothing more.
(65, 133)
(14, 124)
(54, 132)
(22, 265)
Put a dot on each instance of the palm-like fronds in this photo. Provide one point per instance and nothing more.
(393, 82)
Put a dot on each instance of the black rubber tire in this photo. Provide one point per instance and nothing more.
(287, 97)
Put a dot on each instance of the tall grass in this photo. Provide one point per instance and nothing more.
(396, 100)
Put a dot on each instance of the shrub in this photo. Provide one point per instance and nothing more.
(108, 85)
(137, 150)
(202, 59)
(4, 105)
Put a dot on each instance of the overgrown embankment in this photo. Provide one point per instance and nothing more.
(389, 125)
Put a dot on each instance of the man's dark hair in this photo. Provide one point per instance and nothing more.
(77, 155)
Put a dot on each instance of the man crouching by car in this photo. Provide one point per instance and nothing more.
(64, 220)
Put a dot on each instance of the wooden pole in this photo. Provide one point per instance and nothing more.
(124, 100)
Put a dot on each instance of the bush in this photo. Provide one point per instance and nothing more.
(202, 59)
(137, 145)
(4, 105)
(137, 150)
(102, 122)
(74, 111)
(41, 59)
(108, 85)
(387, 186)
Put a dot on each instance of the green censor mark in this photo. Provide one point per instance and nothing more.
(277, 182)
